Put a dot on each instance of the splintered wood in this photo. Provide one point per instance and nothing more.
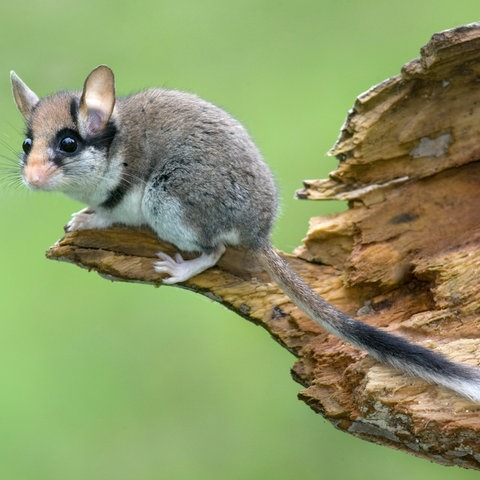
(405, 257)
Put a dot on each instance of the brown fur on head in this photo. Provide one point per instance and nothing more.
(40, 166)
(58, 124)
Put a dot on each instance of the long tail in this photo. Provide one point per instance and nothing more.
(385, 347)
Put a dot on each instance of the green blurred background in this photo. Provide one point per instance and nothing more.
(97, 379)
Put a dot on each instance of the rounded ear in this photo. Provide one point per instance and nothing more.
(25, 98)
(97, 101)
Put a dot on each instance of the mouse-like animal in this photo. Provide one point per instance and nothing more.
(191, 172)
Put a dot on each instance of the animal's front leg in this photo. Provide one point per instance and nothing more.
(87, 219)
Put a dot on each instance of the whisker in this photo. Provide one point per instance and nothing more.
(9, 171)
(10, 165)
(10, 161)
(131, 176)
(10, 177)
(125, 176)
(8, 147)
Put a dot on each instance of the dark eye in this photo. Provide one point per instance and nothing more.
(27, 145)
(68, 144)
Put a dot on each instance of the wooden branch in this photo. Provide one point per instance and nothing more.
(405, 256)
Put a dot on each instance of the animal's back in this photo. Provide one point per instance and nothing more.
(204, 158)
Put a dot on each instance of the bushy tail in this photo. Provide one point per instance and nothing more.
(385, 347)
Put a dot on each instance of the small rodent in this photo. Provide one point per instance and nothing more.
(191, 172)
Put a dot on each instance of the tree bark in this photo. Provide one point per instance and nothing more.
(403, 257)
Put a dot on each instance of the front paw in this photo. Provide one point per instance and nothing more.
(86, 219)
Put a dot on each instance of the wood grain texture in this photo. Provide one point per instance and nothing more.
(405, 256)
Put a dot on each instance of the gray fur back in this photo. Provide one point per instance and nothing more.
(192, 151)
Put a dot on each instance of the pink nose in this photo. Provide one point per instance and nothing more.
(37, 174)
